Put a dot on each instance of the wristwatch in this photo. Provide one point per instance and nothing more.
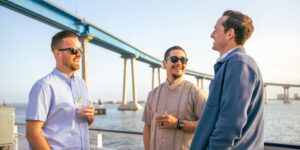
(180, 124)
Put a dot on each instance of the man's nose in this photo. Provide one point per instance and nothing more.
(79, 54)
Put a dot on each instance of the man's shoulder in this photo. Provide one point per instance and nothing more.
(156, 88)
(242, 57)
(196, 89)
(47, 80)
(246, 60)
(191, 85)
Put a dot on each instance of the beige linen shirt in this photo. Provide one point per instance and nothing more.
(183, 100)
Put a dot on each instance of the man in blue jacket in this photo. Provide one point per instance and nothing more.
(233, 116)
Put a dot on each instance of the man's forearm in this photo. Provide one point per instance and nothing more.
(190, 126)
(146, 136)
(37, 141)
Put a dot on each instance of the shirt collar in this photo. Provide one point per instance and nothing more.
(226, 54)
(62, 75)
(175, 83)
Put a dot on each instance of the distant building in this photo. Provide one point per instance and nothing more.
(296, 96)
(280, 96)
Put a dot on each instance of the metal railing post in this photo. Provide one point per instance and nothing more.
(99, 140)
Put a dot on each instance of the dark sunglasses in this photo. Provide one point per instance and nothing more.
(74, 51)
(174, 59)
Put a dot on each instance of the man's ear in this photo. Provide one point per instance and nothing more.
(164, 64)
(231, 33)
(56, 53)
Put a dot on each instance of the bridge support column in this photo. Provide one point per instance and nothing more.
(133, 81)
(124, 96)
(286, 94)
(153, 72)
(202, 85)
(265, 94)
(153, 75)
(85, 71)
(201, 79)
(158, 74)
(134, 105)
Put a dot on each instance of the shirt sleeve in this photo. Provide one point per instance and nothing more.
(39, 102)
(200, 100)
(147, 115)
(238, 87)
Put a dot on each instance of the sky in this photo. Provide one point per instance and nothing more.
(152, 26)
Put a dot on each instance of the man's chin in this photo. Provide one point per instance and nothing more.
(74, 68)
(176, 76)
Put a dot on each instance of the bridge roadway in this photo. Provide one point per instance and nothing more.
(53, 15)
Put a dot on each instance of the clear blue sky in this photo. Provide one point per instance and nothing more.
(152, 26)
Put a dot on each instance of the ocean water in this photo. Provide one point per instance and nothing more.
(282, 125)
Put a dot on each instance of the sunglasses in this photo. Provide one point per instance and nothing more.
(174, 59)
(74, 51)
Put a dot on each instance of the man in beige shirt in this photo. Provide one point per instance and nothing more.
(173, 108)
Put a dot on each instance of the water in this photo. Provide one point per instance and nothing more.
(282, 124)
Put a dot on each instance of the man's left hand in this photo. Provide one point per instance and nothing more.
(88, 113)
(166, 121)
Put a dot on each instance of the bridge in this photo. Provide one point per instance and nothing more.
(286, 97)
(49, 13)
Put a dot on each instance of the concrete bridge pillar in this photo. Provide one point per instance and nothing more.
(201, 79)
(85, 71)
(124, 96)
(134, 105)
(202, 85)
(133, 80)
(286, 94)
(158, 71)
(153, 75)
(153, 72)
(265, 94)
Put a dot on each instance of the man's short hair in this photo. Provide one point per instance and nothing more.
(167, 53)
(57, 38)
(240, 23)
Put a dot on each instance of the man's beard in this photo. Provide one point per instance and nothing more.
(176, 76)
(72, 67)
(75, 66)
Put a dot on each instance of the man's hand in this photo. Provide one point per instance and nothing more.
(89, 113)
(166, 121)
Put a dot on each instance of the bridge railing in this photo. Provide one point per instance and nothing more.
(98, 134)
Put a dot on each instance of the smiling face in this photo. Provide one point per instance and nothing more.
(67, 62)
(177, 69)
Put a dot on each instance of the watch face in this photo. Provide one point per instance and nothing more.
(180, 124)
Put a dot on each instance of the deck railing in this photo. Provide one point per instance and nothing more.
(100, 132)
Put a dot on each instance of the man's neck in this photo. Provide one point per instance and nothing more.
(222, 52)
(172, 80)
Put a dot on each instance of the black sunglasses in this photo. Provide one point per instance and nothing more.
(74, 51)
(174, 59)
